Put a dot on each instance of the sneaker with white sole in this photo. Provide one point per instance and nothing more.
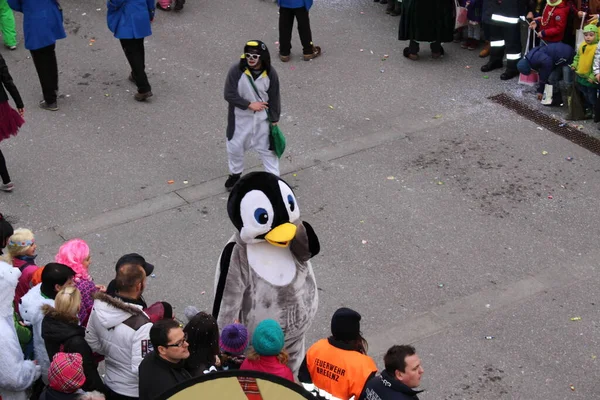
(7, 187)
(50, 107)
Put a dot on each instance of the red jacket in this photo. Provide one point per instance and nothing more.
(270, 365)
(553, 22)
(24, 280)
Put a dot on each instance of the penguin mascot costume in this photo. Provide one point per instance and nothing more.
(265, 271)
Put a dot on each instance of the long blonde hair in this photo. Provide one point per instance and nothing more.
(68, 300)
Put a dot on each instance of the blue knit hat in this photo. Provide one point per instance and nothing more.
(523, 66)
(268, 338)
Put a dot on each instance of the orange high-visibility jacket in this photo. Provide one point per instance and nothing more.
(332, 372)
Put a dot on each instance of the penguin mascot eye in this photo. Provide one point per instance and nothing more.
(257, 216)
(290, 201)
(261, 216)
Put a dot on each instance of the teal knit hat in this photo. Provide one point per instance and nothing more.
(268, 338)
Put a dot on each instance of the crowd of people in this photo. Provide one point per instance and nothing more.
(58, 325)
(560, 45)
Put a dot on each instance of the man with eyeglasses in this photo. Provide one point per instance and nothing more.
(164, 368)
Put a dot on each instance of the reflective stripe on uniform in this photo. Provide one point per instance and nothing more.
(308, 386)
(315, 391)
(328, 395)
(497, 43)
(502, 18)
(516, 56)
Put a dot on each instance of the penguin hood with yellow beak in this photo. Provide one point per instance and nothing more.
(262, 206)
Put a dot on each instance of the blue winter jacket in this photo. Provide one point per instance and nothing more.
(42, 22)
(544, 59)
(295, 3)
(130, 19)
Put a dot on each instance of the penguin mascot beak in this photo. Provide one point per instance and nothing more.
(282, 235)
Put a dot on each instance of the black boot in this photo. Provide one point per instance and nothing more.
(509, 74)
(557, 100)
(179, 5)
(412, 51)
(390, 7)
(437, 50)
(231, 181)
(397, 9)
(491, 65)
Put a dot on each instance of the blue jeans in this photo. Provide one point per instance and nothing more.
(560, 73)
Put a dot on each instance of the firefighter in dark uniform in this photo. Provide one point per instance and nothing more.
(503, 17)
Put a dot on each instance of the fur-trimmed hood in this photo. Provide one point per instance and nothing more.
(53, 313)
(112, 311)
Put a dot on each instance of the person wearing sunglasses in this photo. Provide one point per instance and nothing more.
(164, 368)
(252, 91)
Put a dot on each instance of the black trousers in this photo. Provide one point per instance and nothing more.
(3, 171)
(286, 25)
(134, 51)
(511, 35)
(414, 48)
(46, 66)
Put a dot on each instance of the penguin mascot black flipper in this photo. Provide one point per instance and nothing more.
(264, 270)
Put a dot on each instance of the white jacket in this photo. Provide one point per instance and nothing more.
(16, 374)
(121, 333)
(30, 309)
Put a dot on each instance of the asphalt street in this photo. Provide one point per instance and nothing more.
(445, 219)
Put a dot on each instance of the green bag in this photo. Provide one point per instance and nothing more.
(276, 138)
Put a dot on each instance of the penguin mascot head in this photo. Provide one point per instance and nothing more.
(263, 207)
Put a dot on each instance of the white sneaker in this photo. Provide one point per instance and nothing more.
(7, 187)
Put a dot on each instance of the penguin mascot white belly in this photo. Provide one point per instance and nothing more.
(264, 270)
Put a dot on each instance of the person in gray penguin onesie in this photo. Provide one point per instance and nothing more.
(265, 270)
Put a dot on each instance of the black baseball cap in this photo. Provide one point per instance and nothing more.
(135, 258)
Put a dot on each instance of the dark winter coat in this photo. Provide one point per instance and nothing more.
(158, 375)
(385, 387)
(427, 21)
(51, 394)
(506, 8)
(474, 10)
(60, 329)
(544, 59)
(9, 85)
